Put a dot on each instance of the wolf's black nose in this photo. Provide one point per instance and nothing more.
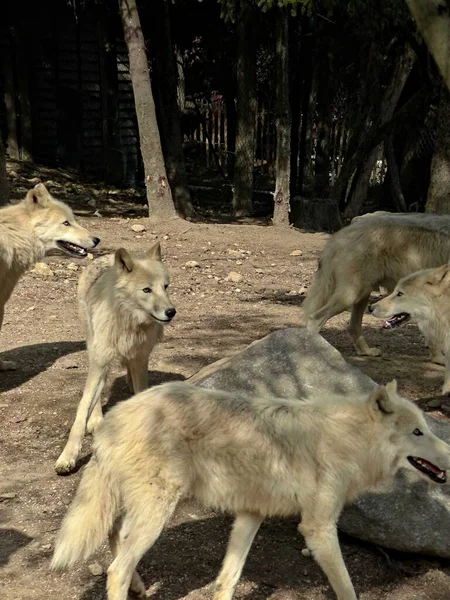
(170, 313)
(96, 241)
(370, 308)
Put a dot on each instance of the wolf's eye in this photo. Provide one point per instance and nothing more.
(147, 290)
(400, 294)
(417, 432)
(66, 224)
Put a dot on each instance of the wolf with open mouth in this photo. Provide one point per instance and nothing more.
(423, 298)
(30, 229)
(255, 457)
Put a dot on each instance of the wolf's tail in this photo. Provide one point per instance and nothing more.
(90, 517)
(321, 287)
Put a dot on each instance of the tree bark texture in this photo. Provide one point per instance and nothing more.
(388, 105)
(432, 18)
(246, 108)
(109, 94)
(393, 175)
(159, 197)
(316, 214)
(295, 98)
(308, 107)
(169, 115)
(21, 42)
(438, 199)
(283, 120)
(4, 184)
(12, 141)
(324, 117)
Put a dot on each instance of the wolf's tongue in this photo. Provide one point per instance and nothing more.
(388, 323)
(433, 468)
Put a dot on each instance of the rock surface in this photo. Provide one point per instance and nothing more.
(413, 515)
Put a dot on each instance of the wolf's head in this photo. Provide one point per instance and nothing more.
(411, 442)
(414, 297)
(54, 224)
(142, 284)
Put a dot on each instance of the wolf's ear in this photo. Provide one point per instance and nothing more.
(380, 402)
(123, 260)
(38, 196)
(439, 275)
(155, 252)
(391, 387)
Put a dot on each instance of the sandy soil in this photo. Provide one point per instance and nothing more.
(215, 318)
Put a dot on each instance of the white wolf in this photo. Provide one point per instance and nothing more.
(28, 230)
(372, 252)
(254, 457)
(124, 303)
(423, 297)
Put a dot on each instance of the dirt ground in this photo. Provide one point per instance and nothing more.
(215, 318)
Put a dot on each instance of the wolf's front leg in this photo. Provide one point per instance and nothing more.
(355, 329)
(322, 540)
(446, 386)
(137, 371)
(92, 390)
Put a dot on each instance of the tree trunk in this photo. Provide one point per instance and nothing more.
(438, 199)
(169, 115)
(308, 104)
(324, 116)
(181, 82)
(359, 120)
(12, 141)
(109, 94)
(231, 125)
(393, 175)
(246, 108)
(388, 104)
(4, 185)
(159, 197)
(295, 98)
(433, 21)
(283, 119)
(22, 50)
(316, 214)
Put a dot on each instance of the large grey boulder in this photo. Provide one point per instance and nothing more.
(412, 515)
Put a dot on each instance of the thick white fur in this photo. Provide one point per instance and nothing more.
(123, 324)
(28, 230)
(372, 252)
(254, 457)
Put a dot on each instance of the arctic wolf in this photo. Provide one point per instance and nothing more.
(28, 230)
(424, 297)
(254, 457)
(369, 253)
(124, 303)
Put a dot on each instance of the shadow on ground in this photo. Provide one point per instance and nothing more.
(11, 541)
(188, 557)
(34, 359)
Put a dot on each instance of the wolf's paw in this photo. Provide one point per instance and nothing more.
(65, 465)
(7, 365)
(137, 587)
(93, 424)
(373, 352)
(368, 351)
